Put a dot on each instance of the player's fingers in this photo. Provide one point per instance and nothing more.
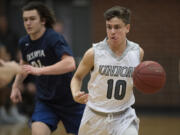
(26, 67)
(26, 70)
(12, 97)
(84, 96)
(17, 100)
(79, 94)
(83, 99)
(14, 100)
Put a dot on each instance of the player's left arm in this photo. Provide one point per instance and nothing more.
(141, 54)
(65, 65)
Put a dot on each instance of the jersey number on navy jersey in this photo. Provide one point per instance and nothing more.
(120, 89)
(36, 63)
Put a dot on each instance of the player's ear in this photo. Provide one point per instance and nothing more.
(43, 21)
(127, 28)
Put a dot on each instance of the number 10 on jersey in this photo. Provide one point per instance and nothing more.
(119, 90)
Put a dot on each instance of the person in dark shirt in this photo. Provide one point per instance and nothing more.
(50, 59)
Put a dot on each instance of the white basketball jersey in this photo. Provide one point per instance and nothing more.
(111, 84)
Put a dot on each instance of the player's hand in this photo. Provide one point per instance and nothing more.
(31, 70)
(81, 97)
(16, 95)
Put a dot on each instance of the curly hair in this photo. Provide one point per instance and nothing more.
(43, 11)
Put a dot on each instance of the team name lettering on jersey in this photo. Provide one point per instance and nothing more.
(35, 54)
(109, 70)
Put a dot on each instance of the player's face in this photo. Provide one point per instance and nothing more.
(116, 30)
(32, 22)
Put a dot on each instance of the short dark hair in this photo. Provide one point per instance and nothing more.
(119, 12)
(43, 11)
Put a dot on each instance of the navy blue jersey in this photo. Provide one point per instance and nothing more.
(46, 51)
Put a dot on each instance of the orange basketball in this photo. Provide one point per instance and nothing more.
(149, 77)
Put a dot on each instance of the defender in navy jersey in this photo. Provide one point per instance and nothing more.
(50, 59)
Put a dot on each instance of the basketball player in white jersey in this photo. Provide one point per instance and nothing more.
(111, 63)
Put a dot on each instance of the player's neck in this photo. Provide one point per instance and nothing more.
(38, 34)
(119, 48)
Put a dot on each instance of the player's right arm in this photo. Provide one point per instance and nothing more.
(16, 92)
(85, 66)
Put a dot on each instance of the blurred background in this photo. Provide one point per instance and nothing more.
(155, 25)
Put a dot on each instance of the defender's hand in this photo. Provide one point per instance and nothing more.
(31, 70)
(16, 95)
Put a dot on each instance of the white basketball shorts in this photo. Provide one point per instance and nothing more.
(98, 123)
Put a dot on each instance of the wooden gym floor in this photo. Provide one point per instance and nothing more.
(156, 124)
